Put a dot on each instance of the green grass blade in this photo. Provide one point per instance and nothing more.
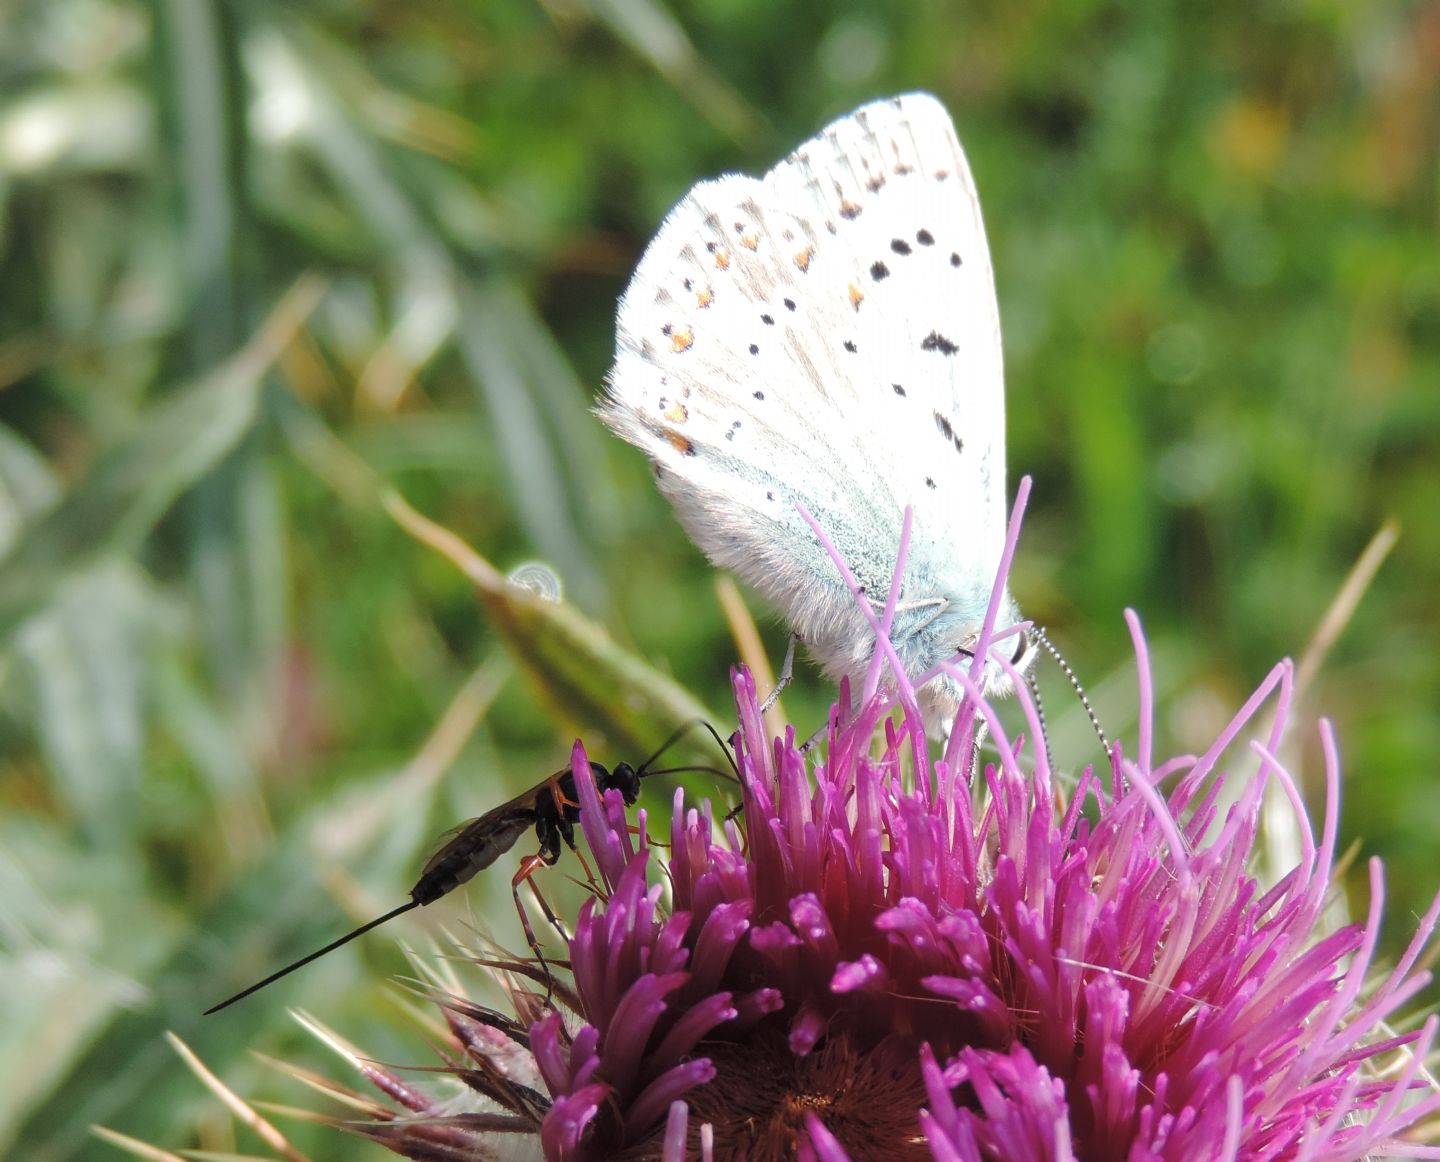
(135, 482)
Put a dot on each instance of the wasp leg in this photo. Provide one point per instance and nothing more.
(526, 875)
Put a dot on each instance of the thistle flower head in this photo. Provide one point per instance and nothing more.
(893, 953)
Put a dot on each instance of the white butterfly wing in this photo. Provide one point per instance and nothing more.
(829, 335)
(894, 182)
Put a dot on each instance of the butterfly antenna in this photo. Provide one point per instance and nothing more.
(1034, 688)
(316, 955)
(1040, 636)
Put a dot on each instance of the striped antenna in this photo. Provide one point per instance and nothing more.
(1040, 636)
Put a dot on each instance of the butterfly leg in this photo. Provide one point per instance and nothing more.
(936, 606)
(811, 742)
(787, 672)
(982, 732)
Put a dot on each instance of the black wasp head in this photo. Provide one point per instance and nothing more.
(626, 779)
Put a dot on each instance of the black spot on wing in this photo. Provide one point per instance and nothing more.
(937, 342)
(899, 246)
(947, 430)
(879, 270)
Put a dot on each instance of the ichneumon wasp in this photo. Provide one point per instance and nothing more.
(551, 807)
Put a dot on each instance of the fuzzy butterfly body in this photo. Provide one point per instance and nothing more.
(828, 336)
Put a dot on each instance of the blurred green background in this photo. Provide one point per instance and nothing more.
(1214, 229)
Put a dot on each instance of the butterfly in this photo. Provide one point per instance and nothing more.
(828, 336)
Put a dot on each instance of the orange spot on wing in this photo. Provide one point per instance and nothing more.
(677, 413)
(705, 297)
(803, 257)
(681, 339)
(857, 296)
(722, 259)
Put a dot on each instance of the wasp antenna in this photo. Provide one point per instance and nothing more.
(716, 771)
(724, 747)
(319, 952)
(1065, 669)
(678, 733)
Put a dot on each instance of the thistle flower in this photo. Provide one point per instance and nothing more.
(865, 964)
(890, 954)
